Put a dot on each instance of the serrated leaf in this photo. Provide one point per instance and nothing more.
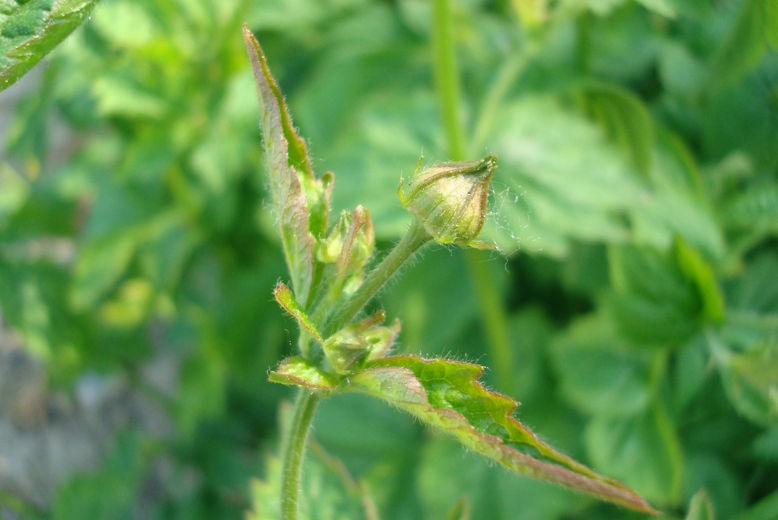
(300, 201)
(30, 29)
(446, 395)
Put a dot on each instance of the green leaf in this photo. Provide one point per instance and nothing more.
(299, 200)
(446, 471)
(104, 259)
(16, 191)
(347, 348)
(679, 204)
(749, 379)
(329, 492)
(285, 299)
(558, 182)
(700, 272)
(745, 44)
(765, 508)
(446, 395)
(598, 373)
(111, 491)
(643, 450)
(652, 300)
(756, 291)
(706, 469)
(297, 371)
(624, 118)
(700, 508)
(379, 445)
(30, 29)
(663, 7)
(771, 21)
(203, 383)
(756, 207)
(460, 510)
(99, 267)
(32, 298)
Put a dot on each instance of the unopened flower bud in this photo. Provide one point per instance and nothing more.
(450, 199)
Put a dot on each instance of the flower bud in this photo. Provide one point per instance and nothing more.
(450, 199)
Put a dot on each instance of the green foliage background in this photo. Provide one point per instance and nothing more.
(635, 315)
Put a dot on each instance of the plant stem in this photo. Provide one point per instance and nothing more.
(494, 320)
(414, 239)
(492, 314)
(447, 78)
(583, 51)
(294, 452)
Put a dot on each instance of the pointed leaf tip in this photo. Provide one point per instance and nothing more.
(290, 175)
(447, 395)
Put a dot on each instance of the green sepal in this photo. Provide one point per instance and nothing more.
(450, 199)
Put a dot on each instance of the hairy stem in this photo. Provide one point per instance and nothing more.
(414, 239)
(492, 314)
(294, 452)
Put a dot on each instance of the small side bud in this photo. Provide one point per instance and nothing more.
(350, 347)
(450, 199)
(350, 243)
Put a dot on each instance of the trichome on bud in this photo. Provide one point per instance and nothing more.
(450, 199)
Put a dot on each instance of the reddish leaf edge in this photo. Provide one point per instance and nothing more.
(289, 169)
(297, 148)
(564, 471)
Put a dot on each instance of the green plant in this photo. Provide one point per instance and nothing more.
(340, 354)
(633, 312)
